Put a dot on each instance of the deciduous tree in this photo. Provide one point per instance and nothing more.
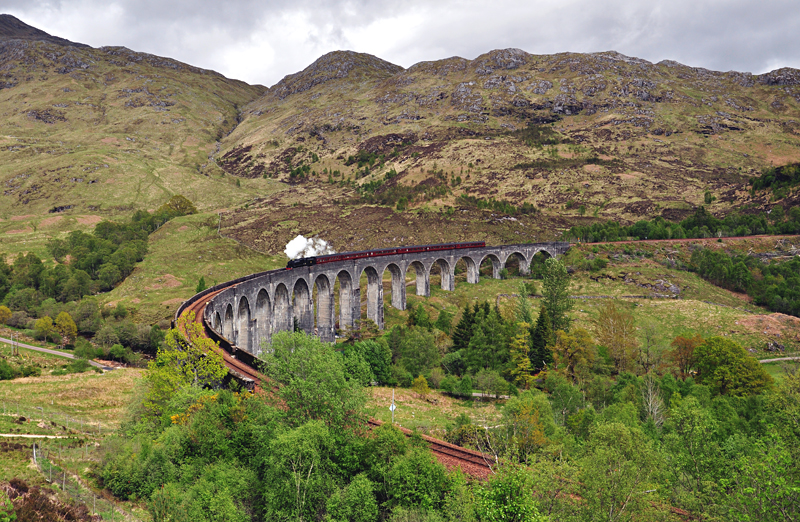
(420, 387)
(66, 327)
(573, 349)
(521, 368)
(682, 353)
(728, 369)
(615, 329)
(45, 327)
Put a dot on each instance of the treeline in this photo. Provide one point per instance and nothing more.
(85, 264)
(701, 224)
(497, 205)
(777, 178)
(775, 286)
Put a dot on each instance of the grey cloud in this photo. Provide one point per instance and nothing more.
(260, 42)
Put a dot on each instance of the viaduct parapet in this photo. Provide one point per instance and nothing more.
(247, 311)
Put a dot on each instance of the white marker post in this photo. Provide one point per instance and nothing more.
(392, 407)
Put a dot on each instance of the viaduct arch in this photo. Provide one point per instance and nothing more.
(249, 310)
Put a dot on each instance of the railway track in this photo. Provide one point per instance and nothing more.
(240, 368)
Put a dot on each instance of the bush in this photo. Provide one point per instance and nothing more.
(7, 372)
(402, 377)
(119, 353)
(18, 319)
(436, 377)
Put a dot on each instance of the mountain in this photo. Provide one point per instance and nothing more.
(539, 142)
(580, 136)
(107, 130)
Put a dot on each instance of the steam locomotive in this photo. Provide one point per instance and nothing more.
(347, 256)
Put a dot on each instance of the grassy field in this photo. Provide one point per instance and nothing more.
(432, 415)
(90, 397)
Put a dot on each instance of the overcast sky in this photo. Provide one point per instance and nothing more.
(261, 41)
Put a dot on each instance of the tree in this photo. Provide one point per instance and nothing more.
(417, 316)
(355, 503)
(186, 358)
(616, 472)
(420, 387)
(463, 331)
(418, 350)
(377, 355)
(649, 354)
(109, 274)
(45, 327)
(728, 369)
(201, 285)
(521, 367)
(298, 473)
(523, 311)
(178, 206)
(616, 331)
(313, 379)
(682, 353)
(507, 497)
(66, 327)
(488, 347)
(444, 322)
(107, 336)
(528, 421)
(555, 289)
(5, 314)
(574, 349)
(541, 340)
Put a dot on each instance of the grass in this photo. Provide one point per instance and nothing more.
(91, 397)
(180, 253)
(432, 416)
(778, 370)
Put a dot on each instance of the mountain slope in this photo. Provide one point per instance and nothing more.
(14, 28)
(108, 130)
(633, 139)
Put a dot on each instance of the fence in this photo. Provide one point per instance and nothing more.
(53, 465)
(52, 416)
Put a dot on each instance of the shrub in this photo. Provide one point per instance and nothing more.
(436, 378)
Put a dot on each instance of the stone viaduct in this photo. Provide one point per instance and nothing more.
(247, 311)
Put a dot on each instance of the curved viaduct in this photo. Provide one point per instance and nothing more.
(247, 311)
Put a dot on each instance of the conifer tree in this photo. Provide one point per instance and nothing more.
(556, 294)
(541, 341)
(463, 332)
(488, 347)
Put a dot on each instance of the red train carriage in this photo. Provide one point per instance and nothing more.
(347, 256)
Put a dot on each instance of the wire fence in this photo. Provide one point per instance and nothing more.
(53, 462)
(54, 418)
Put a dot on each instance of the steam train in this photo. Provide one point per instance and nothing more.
(347, 256)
